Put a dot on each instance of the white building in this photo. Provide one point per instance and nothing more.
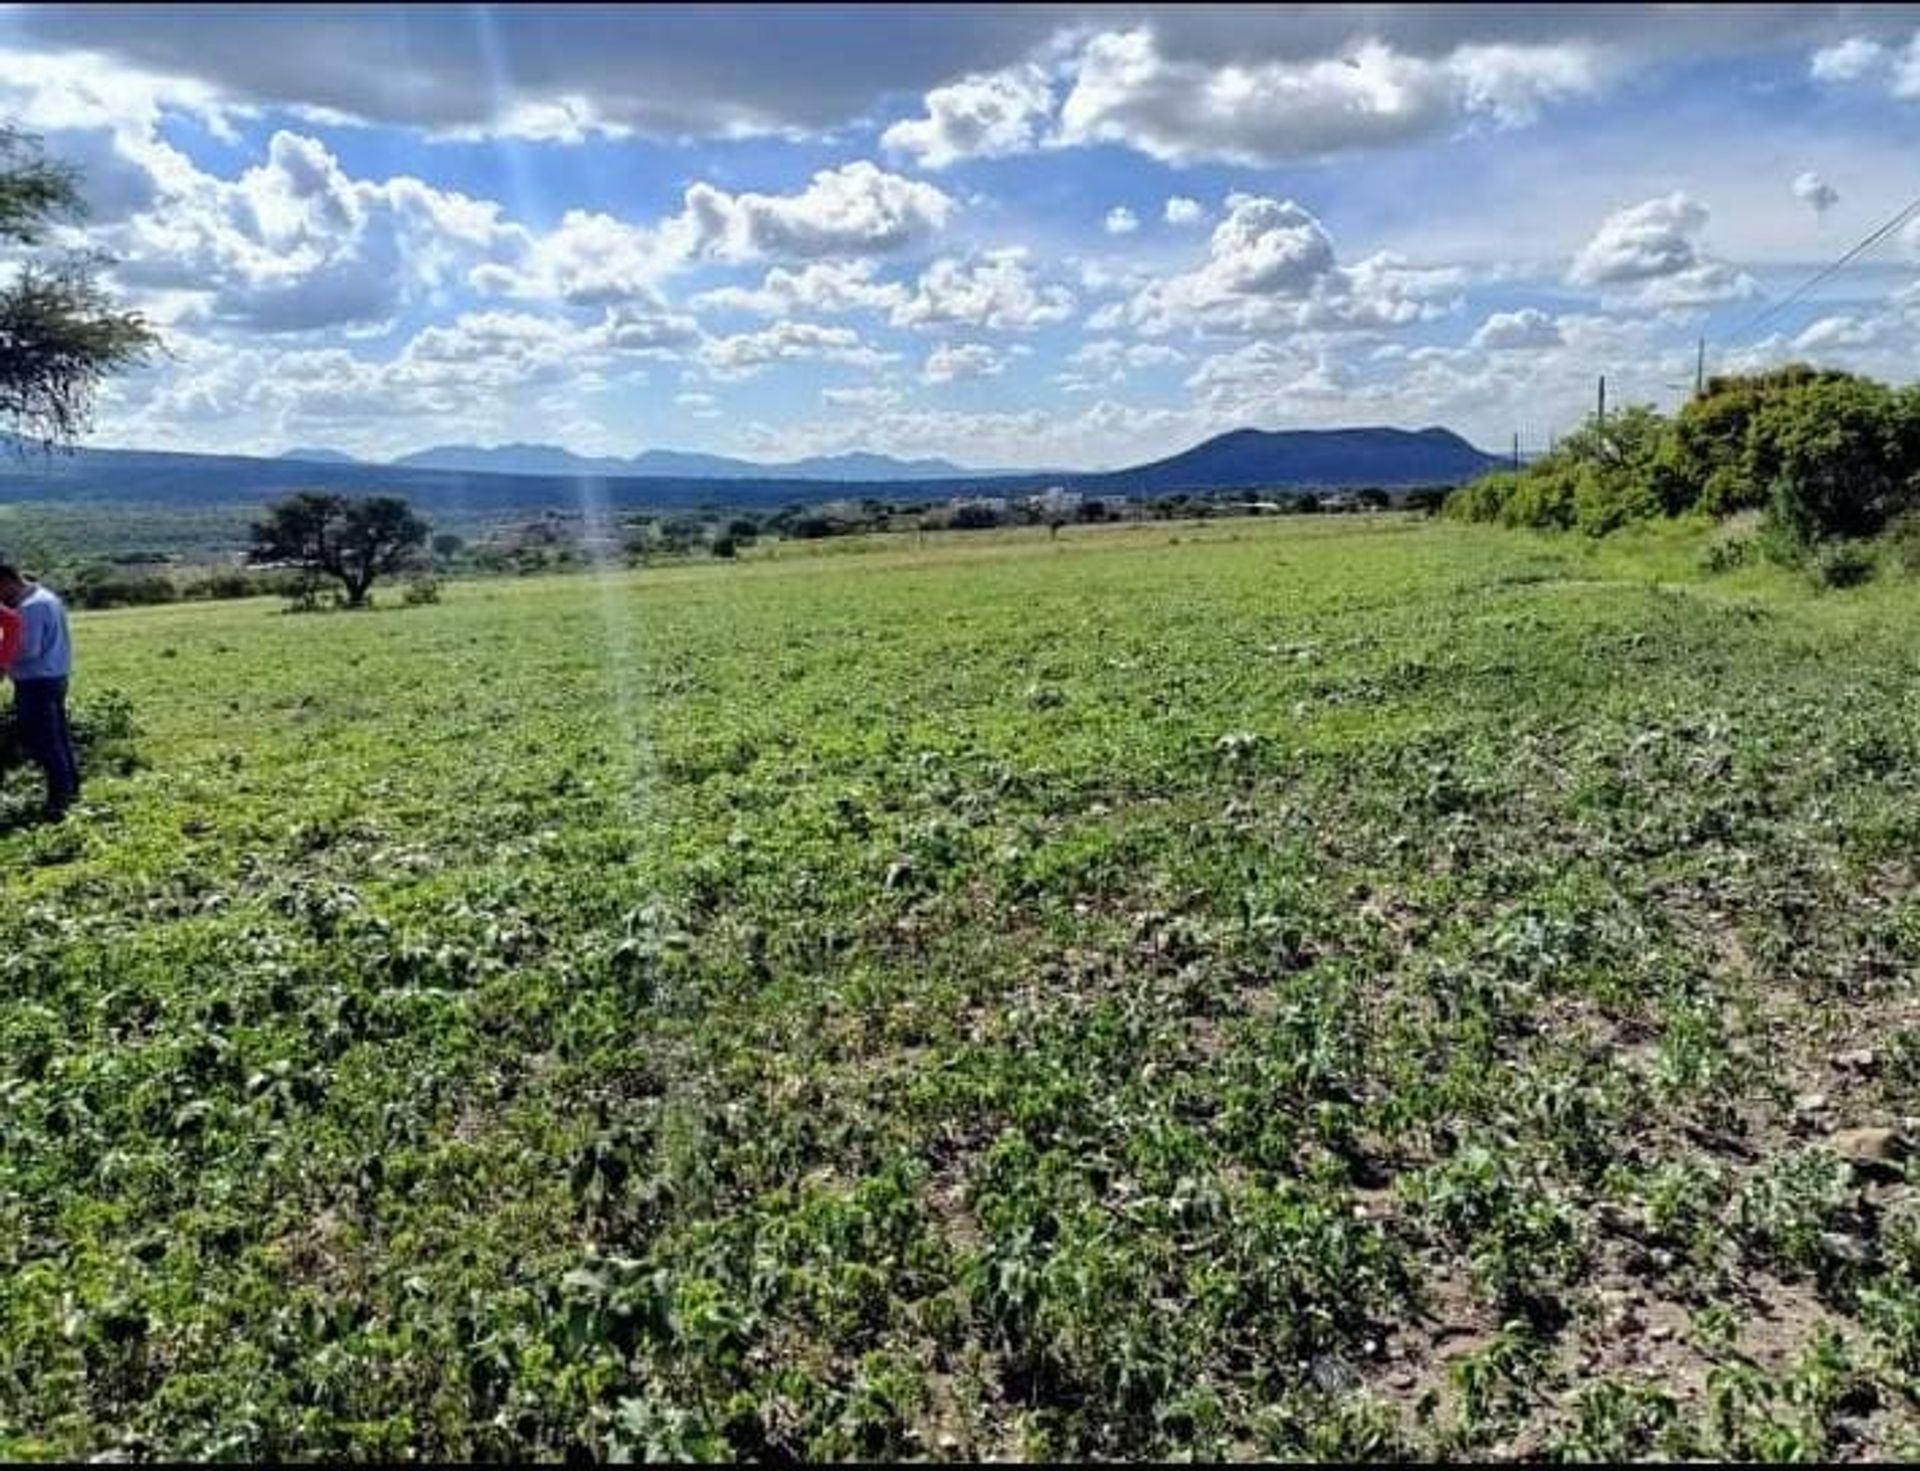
(1057, 503)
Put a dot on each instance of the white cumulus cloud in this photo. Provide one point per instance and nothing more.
(588, 259)
(864, 396)
(743, 354)
(1650, 254)
(643, 331)
(1268, 382)
(1184, 211)
(1848, 60)
(1815, 192)
(1520, 331)
(997, 292)
(982, 116)
(953, 363)
(1126, 90)
(1271, 266)
(1863, 59)
(1106, 362)
(567, 117)
(821, 286)
(857, 209)
(295, 245)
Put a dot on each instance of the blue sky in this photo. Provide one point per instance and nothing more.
(1056, 235)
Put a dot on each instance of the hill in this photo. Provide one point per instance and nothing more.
(1254, 459)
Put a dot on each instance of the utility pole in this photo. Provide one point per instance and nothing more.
(1516, 451)
(1700, 369)
(1603, 401)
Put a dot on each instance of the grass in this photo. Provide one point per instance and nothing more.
(1353, 988)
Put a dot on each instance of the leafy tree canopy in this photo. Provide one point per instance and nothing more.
(354, 541)
(60, 333)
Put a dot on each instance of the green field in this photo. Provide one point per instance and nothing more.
(1343, 987)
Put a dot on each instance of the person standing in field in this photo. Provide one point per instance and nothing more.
(9, 637)
(9, 646)
(38, 655)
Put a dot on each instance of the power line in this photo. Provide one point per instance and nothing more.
(1871, 240)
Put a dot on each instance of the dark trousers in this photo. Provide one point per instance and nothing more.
(40, 708)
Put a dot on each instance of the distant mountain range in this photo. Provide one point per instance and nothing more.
(547, 459)
(468, 480)
(319, 456)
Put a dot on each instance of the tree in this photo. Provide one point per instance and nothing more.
(446, 546)
(1830, 458)
(973, 516)
(352, 541)
(679, 535)
(1603, 475)
(59, 333)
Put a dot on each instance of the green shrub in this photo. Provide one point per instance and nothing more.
(232, 583)
(303, 595)
(1829, 454)
(1741, 540)
(1546, 500)
(1826, 454)
(421, 591)
(1705, 458)
(1841, 564)
(1609, 497)
(222, 586)
(1725, 556)
(973, 516)
(105, 586)
(1598, 478)
(1484, 499)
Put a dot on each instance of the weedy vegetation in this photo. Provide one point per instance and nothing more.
(1300, 988)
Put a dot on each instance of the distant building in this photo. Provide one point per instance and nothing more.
(1057, 503)
(994, 503)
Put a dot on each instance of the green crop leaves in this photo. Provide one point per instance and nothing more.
(1089, 999)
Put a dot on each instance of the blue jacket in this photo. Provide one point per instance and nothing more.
(46, 649)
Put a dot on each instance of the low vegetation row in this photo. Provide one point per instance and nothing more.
(1823, 462)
